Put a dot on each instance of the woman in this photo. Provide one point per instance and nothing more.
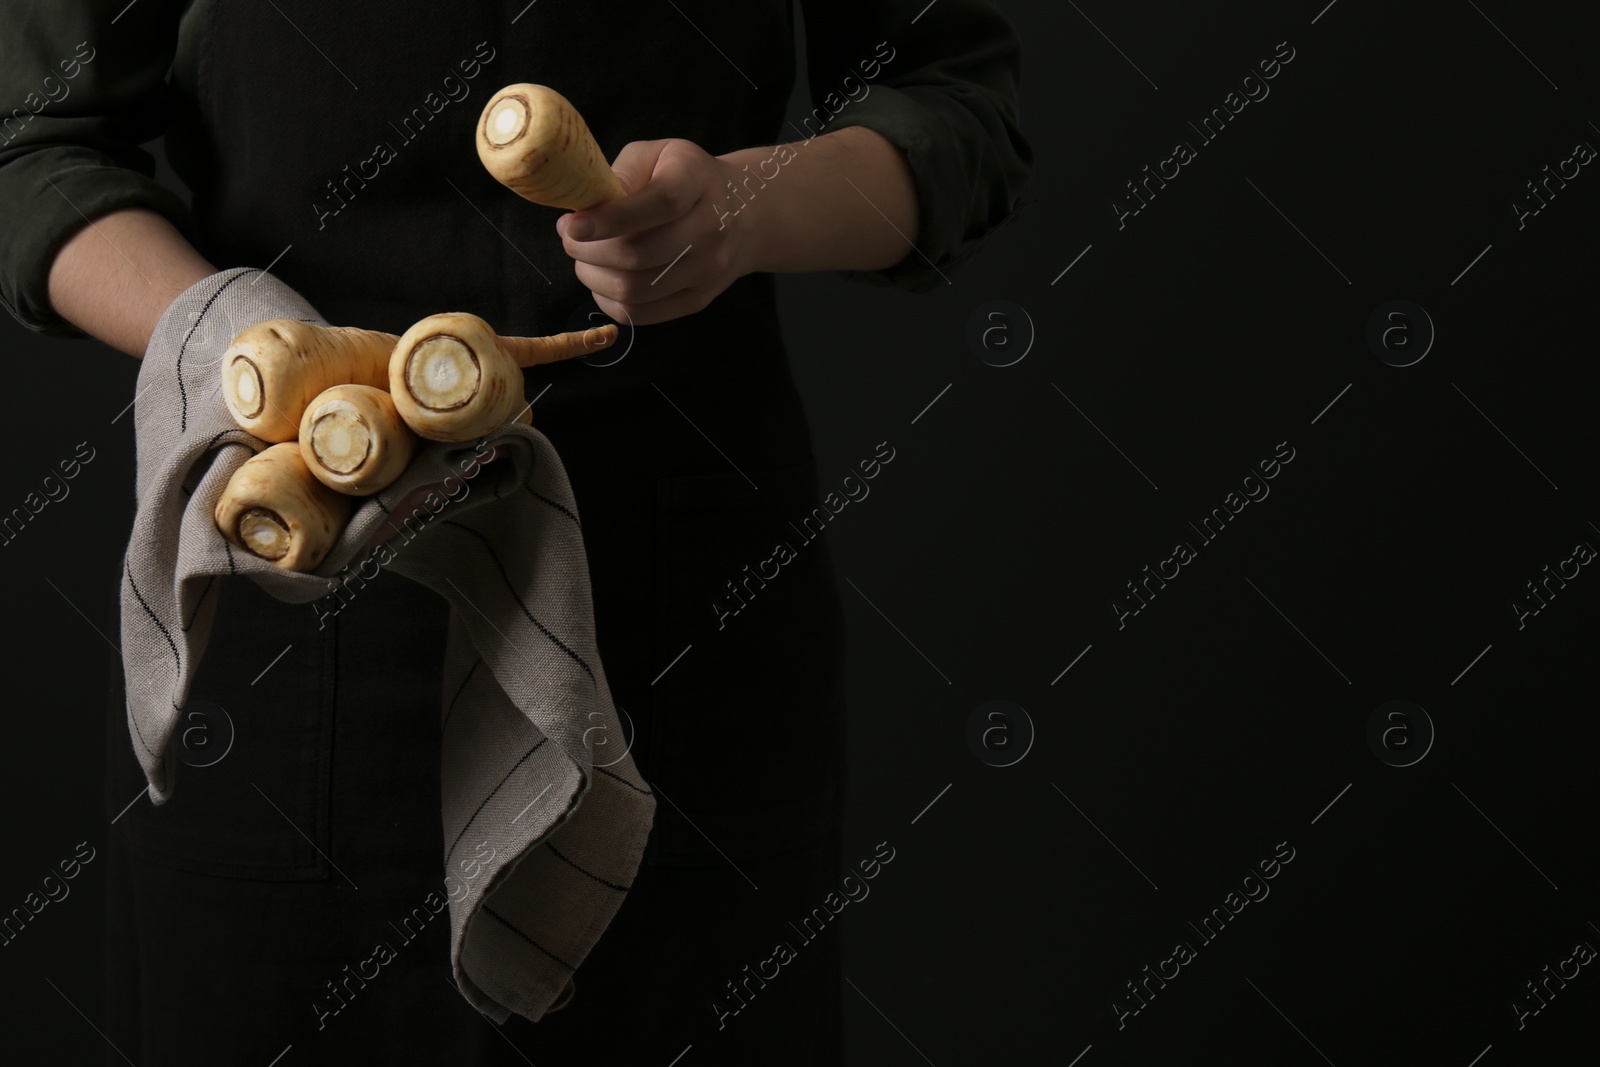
(332, 144)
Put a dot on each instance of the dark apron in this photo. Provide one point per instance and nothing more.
(235, 904)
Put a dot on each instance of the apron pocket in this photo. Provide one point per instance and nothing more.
(254, 743)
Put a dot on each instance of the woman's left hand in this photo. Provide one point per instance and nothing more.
(670, 246)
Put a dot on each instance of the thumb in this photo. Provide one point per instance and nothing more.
(661, 184)
(636, 163)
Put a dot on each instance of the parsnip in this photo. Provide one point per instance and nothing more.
(452, 378)
(535, 143)
(274, 508)
(354, 440)
(273, 369)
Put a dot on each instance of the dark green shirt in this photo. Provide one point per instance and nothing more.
(83, 84)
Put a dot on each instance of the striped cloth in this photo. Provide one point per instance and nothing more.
(526, 713)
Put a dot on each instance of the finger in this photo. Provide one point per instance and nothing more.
(633, 167)
(637, 161)
(637, 286)
(684, 302)
(666, 191)
(649, 249)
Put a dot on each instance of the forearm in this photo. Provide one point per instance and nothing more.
(801, 213)
(114, 278)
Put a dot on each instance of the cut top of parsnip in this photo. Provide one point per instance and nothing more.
(443, 373)
(340, 437)
(274, 508)
(508, 117)
(353, 439)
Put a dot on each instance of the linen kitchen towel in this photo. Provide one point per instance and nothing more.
(525, 710)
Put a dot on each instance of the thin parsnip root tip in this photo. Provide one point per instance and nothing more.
(532, 351)
(600, 336)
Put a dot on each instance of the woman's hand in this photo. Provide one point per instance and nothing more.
(670, 246)
(845, 200)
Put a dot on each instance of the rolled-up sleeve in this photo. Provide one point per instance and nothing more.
(82, 85)
(941, 82)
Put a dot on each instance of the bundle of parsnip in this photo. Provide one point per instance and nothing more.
(345, 407)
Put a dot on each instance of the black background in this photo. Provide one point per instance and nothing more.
(1215, 724)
